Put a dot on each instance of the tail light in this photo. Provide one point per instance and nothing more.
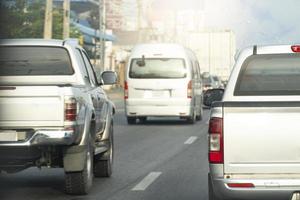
(215, 131)
(189, 90)
(296, 48)
(70, 109)
(125, 90)
(241, 185)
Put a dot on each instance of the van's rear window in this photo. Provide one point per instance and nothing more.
(157, 68)
(34, 60)
(276, 74)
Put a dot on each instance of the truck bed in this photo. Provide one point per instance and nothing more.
(261, 137)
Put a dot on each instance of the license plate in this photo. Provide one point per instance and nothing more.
(296, 196)
(8, 136)
(158, 94)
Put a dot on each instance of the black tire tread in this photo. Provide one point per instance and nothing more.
(75, 183)
(101, 168)
(102, 165)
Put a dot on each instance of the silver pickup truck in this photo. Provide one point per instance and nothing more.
(54, 112)
(254, 131)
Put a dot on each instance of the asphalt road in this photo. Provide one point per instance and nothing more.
(163, 159)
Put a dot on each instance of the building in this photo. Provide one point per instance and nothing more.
(215, 49)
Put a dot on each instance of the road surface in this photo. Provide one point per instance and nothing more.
(162, 159)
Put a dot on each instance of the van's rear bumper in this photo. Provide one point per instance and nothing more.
(273, 189)
(180, 108)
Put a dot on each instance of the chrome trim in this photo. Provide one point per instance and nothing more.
(46, 137)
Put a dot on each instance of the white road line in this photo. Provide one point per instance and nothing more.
(191, 140)
(150, 178)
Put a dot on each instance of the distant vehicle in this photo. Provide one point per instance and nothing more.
(208, 83)
(211, 81)
(217, 82)
(163, 80)
(54, 112)
(254, 128)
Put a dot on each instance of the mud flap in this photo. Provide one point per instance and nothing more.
(74, 158)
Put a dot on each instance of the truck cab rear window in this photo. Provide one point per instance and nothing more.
(30, 61)
(158, 68)
(266, 75)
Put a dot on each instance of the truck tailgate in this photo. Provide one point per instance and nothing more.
(262, 139)
(31, 106)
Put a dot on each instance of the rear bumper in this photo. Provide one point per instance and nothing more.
(158, 108)
(273, 189)
(46, 137)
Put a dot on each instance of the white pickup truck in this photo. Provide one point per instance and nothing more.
(53, 111)
(254, 131)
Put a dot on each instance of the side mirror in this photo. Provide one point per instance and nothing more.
(109, 77)
(212, 95)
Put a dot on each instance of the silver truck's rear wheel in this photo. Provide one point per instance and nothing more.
(103, 163)
(79, 183)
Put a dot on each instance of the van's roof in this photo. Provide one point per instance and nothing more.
(158, 50)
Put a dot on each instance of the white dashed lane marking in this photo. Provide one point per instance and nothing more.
(190, 140)
(148, 180)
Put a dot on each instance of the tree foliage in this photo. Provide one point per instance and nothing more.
(26, 20)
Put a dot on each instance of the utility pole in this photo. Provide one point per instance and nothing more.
(139, 18)
(66, 26)
(48, 20)
(102, 33)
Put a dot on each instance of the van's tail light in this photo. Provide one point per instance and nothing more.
(125, 90)
(70, 109)
(216, 149)
(189, 90)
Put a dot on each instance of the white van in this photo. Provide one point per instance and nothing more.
(162, 80)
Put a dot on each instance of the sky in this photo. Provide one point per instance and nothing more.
(253, 21)
(257, 21)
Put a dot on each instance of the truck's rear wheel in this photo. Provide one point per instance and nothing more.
(79, 183)
(103, 163)
(131, 120)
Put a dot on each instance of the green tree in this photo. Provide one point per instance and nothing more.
(26, 20)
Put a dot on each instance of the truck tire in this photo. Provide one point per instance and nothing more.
(131, 120)
(103, 163)
(79, 183)
(211, 195)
